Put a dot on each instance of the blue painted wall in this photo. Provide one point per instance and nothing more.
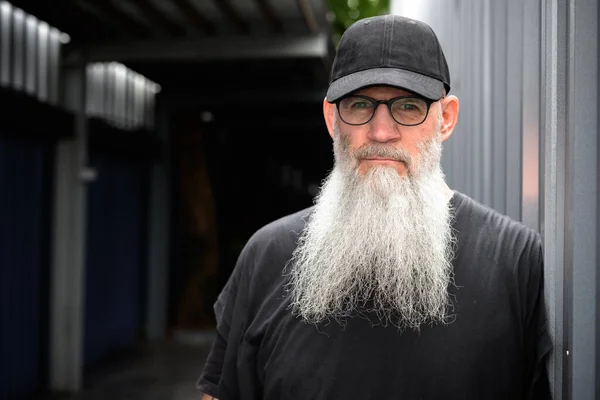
(25, 207)
(116, 247)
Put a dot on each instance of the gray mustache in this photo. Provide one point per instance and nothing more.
(383, 152)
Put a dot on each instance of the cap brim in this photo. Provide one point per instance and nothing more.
(420, 84)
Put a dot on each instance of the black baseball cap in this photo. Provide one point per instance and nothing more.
(389, 50)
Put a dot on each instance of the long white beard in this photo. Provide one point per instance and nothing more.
(377, 244)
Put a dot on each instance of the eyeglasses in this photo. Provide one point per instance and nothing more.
(405, 110)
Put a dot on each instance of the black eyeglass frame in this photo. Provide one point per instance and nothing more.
(388, 103)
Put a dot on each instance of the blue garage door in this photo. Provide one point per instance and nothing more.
(25, 206)
(116, 246)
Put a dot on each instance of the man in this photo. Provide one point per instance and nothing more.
(392, 285)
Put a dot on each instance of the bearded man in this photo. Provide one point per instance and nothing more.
(392, 285)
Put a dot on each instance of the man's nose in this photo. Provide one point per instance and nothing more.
(382, 127)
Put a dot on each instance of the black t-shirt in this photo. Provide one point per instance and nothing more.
(496, 348)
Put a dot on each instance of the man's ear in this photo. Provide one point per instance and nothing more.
(329, 114)
(449, 105)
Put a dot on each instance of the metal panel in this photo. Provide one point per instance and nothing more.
(531, 114)
(470, 90)
(94, 92)
(499, 84)
(150, 99)
(458, 137)
(54, 54)
(100, 90)
(454, 58)
(514, 67)
(598, 239)
(138, 100)
(113, 90)
(129, 100)
(467, 98)
(120, 94)
(478, 132)
(18, 48)
(5, 43)
(43, 66)
(98, 94)
(582, 206)
(31, 50)
(486, 103)
(109, 93)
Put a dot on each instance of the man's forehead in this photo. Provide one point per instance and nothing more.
(383, 90)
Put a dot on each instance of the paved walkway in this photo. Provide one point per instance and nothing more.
(166, 371)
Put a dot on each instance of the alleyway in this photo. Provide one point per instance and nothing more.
(166, 371)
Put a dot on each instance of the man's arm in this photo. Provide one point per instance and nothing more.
(230, 313)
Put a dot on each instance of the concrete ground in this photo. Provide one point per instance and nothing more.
(165, 371)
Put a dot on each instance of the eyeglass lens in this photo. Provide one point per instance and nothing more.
(357, 110)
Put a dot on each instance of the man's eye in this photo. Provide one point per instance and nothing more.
(361, 105)
(409, 107)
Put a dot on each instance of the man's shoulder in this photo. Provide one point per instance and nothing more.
(281, 234)
(287, 224)
(473, 216)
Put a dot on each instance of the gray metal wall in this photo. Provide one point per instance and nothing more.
(526, 75)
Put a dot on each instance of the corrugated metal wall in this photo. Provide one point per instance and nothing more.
(24, 251)
(121, 96)
(29, 54)
(493, 51)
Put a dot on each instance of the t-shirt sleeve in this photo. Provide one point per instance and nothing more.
(224, 307)
(538, 341)
(209, 380)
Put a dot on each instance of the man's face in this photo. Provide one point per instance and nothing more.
(383, 132)
(379, 241)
